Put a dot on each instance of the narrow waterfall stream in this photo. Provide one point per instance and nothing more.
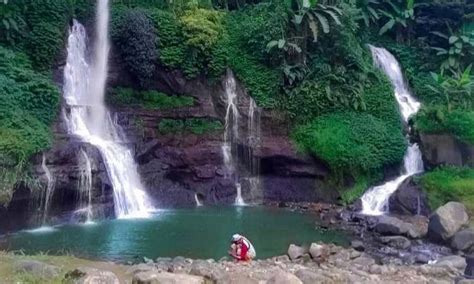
(375, 200)
(231, 134)
(253, 140)
(87, 117)
(47, 192)
(85, 185)
(196, 198)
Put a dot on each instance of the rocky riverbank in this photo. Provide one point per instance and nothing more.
(321, 263)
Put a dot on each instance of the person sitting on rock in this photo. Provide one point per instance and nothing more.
(241, 248)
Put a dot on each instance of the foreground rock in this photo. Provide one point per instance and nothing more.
(89, 275)
(154, 277)
(327, 264)
(447, 220)
(388, 225)
(464, 241)
(37, 268)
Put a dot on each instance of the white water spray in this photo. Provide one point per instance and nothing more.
(375, 200)
(85, 185)
(89, 119)
(48, 191)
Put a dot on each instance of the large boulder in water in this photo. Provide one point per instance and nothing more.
(409, 199)
(447, 220)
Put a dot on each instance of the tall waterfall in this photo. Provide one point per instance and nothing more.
(85, 185)
(88, 118)
(375, 200)
(253, 141)
(231, 134)
(48, 190)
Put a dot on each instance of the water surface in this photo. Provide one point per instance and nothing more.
(203, 232)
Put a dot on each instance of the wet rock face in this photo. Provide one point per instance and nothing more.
(409, 199)
(177, 167)
(442, 149)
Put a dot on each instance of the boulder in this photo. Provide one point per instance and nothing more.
(409, 199)
(37, 268)
(154, 277)
(453, 261)
(308, 276)
(442, 149)
(295, 252)
(207, 270)
(387, 225)
(317, 250)
(398, 242)
(463, 240)
(447, 220)
(282, 277)
(88, 275)
(358, 245)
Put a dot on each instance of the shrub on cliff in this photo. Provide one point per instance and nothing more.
(29, 105)
(352, 143)
(449, 184)
(135, 36)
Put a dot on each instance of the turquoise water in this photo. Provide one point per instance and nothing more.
(202, 232)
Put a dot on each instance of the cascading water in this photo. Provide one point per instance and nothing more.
(89, 119)
(85, 185)
(231, 133)
(196, 198)
(375, 200)
(48, 190)
(253, 140)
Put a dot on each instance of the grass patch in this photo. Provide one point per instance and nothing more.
(148, 99)
(192, 125)
(449, 184)
(350, 195)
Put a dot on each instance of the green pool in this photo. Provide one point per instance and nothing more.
(203, 232)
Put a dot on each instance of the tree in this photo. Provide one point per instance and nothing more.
(136, 37)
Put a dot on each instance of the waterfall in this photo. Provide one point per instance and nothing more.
(239, 201)
(48, 191)
(231, 134)
(253, 140)
(88, 118)
(196, 198)
(85, 185)
(375, 200)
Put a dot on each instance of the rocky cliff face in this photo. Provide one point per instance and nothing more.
(175, 167)
(443, 149)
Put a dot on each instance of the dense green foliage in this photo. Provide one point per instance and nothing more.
(449, 184)
(29, 104)
(135, 37)
(192, 125)
(308, 59)
(148, 99)
(351, 142)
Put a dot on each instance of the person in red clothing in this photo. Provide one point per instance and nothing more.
(241, 248)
